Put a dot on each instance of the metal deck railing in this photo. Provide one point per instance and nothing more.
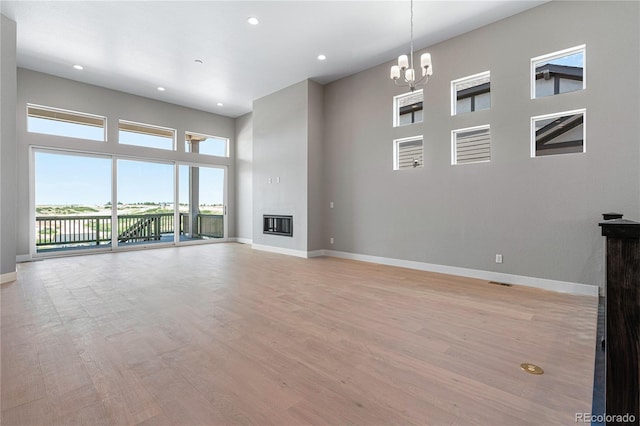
(67, 231)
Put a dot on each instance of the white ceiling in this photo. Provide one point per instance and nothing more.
(136, 46)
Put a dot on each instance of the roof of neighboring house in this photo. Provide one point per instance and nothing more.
(574, 73)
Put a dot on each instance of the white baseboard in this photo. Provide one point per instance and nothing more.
(8, 277)
(290, 252)
(541, 283)
(23, 258)
(244, 240)
(316, 253)
(280, 250)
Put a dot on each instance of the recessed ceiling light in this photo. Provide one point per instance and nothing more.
(160, 89)
(322, 57)
(78, 67)
(253, 20)
(220, 104)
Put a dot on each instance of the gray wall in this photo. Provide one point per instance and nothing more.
(243, 189)
(541, 214)
(288, 144)
(44, 89)
(317, 239)
(8, 146)
(280, 151)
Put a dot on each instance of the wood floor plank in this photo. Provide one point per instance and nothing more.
(22, 379)
(66, 404)
(34, 413)
(90, 415)
(226, 335)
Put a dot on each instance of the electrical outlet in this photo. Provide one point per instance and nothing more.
(331, 240)
(498, 258)
(278, 179)
(331, 205)
(270, 180)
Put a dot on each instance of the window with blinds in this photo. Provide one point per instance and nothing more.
(407, 153)
(59, 122)
(130, 133)
(471, 145)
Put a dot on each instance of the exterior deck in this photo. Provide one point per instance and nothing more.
(59, 233)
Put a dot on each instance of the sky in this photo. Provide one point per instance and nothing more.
(575, 60)
(65, 179)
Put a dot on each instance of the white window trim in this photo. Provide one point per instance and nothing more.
(397, 142)
(454, 92)
(582, 111)
(555, 55)
(150, 126)
(67, 111)
(454, 156)
(396, 108)
(209, 136)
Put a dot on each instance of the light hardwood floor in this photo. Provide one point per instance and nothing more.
(223, 334)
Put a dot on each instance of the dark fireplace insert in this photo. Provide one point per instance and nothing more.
(277, 225)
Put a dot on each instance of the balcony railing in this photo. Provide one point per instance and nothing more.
(146, 227)
(210, 225)
(68, 231)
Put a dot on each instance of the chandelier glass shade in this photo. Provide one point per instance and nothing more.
(404, 74)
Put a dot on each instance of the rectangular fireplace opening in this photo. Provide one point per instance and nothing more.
(278, 225)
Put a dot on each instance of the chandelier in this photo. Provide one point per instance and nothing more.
(404, 75)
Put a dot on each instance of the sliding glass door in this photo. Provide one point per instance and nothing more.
(85, 201)
(202, 202)
(145, 207)
(72, 201)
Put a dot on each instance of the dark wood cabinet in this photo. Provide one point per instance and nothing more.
(622, 319)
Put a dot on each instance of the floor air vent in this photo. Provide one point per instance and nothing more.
(503, 284)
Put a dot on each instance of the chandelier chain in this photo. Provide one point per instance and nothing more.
(411, 34)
